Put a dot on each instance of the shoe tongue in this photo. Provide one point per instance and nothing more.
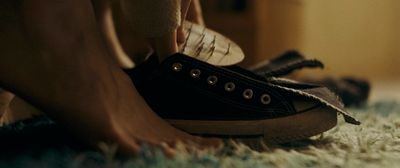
(209, 46)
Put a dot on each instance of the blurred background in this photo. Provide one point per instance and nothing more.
(359, 37)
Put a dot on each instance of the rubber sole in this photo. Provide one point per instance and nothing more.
(277, 130)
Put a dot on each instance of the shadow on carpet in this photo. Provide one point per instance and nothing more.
(40, 142)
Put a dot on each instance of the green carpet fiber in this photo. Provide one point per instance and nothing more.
(376, 143)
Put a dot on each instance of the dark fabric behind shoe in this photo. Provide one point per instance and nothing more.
(353, 91)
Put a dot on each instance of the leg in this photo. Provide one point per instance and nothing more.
(104, 16)
(54, 57)
(126, 46)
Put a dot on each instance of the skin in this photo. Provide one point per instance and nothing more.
(128, 48)
(136, 46)
(5, 100)
(123, 44)
(78, 80)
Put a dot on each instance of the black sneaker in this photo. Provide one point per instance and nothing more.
(207, 100)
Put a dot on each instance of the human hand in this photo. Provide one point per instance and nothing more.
(191, 11)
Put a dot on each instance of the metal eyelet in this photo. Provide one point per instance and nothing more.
(212, 80)
(195, 73)
(177, 67)
(248, 94)
(230, 86)
(265, 99)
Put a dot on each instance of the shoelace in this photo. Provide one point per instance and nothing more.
(289, 68)
(289, 62)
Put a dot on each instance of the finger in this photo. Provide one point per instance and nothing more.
(184, 9)
(194, 13)
(181, 35)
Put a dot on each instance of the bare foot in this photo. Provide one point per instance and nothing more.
(53, 57)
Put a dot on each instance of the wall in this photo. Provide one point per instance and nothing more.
(353, 37)
(359, 37)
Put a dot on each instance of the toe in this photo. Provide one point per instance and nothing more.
(168, 150)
